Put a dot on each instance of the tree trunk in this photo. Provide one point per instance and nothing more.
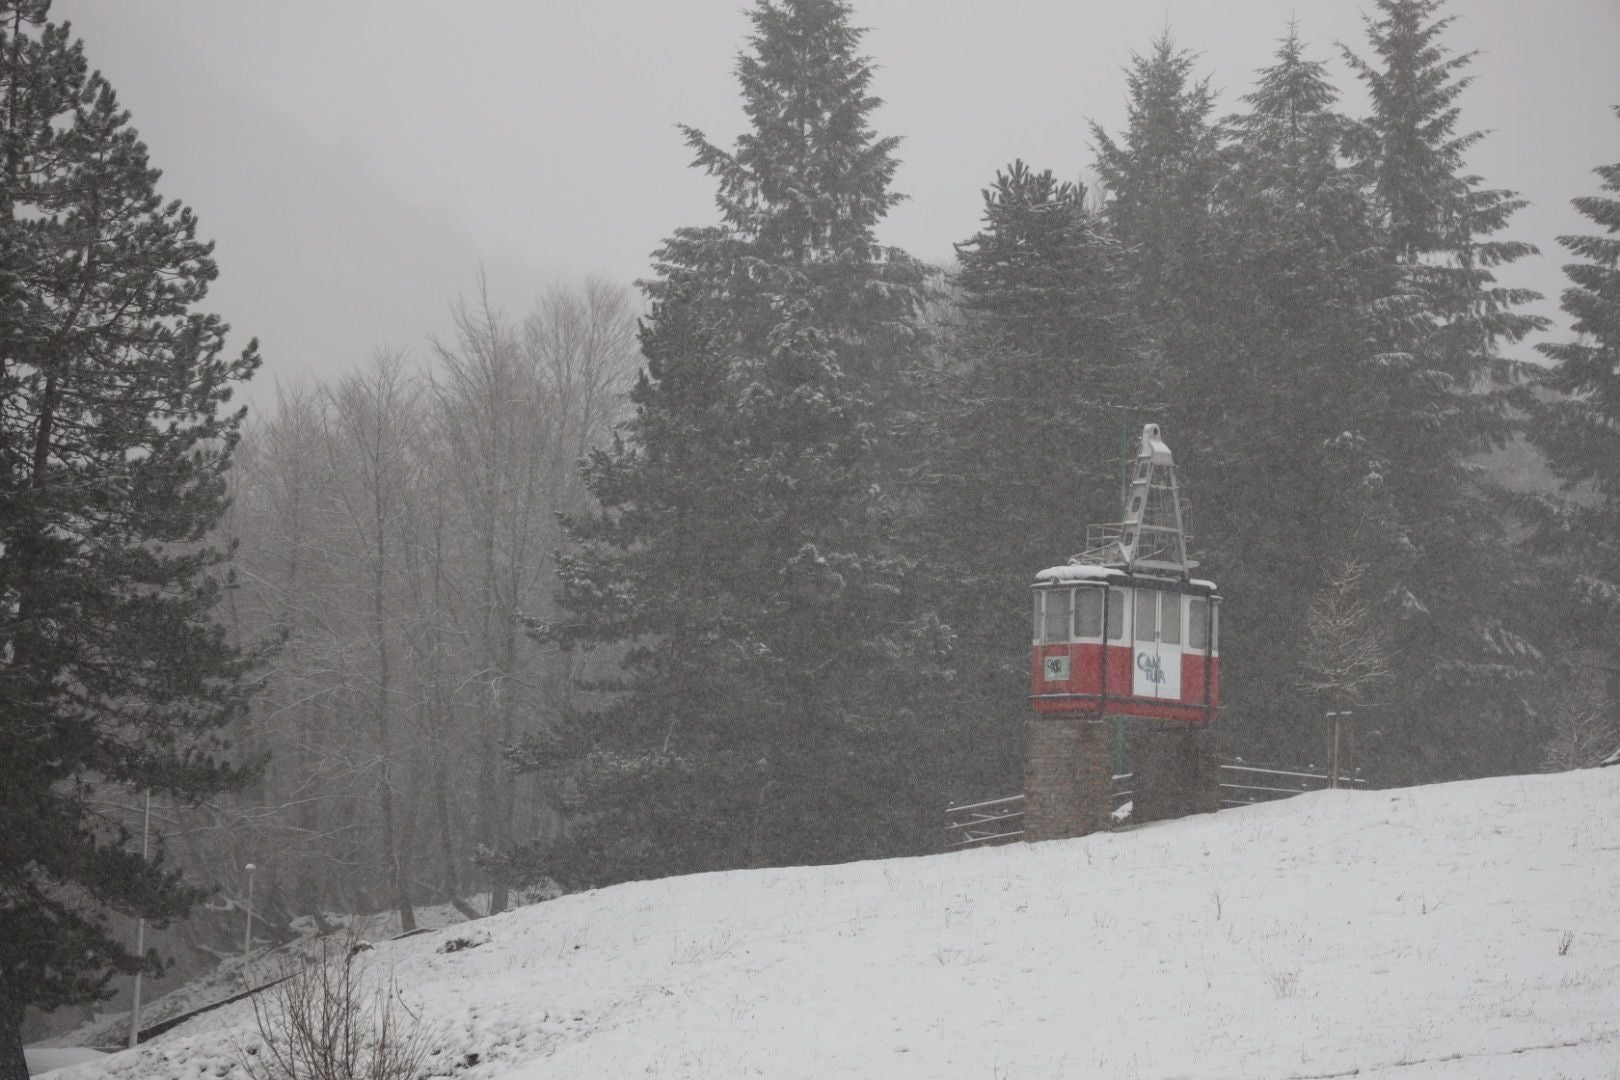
(506, 786)
(385, 747)
(13, 1066)
(410, 811)
(447, 843)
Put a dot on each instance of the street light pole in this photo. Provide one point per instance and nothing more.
(140, 933)
(247, 938)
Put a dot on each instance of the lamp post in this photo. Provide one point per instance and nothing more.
(247, 938)
(140, 932)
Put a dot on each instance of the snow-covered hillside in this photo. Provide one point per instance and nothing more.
(1464, 930)
(229, 978)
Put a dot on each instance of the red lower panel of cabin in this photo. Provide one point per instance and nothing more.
(1085, 690)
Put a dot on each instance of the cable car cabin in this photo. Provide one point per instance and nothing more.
(1123, 629)
(1111, 643)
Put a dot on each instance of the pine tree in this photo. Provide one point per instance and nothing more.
(1158, 180)
(113, 448)
(1325, 358)
(1461, 651)
(1292, 100)
(1579, 431)
(744, 556)
(1290, 485)
(1242, 239)
(1027, 427)
(800, 197)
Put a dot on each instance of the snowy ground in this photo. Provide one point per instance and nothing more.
(232, 976)
(1456, 931)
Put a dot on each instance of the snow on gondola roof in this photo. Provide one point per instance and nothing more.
(1077, 572)
(1070, 572)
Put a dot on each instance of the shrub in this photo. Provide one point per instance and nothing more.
(325, 1020)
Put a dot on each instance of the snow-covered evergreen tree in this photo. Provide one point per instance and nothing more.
(1247, 256)
(1460, 645)
(744, 555)
(113, 449)
(1158, 189)
(1579, 431)
(1157, 180)
(1288, 485)
(1028, 429)
(1317, 297)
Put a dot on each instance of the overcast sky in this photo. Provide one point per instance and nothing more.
(358, 161)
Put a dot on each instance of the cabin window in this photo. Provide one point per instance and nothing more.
(1088, 607)
(1198, 623)
(1116, 614)
(1057, 616)
(1142, 624)
(1170, 618)
(1157, 616)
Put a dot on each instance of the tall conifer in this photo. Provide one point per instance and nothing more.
(113, 450)
(1158, 178)
(1027, 436)
(1326, 338)
(744, 553)
(1291, 482)
(1460, 648)
(1579, 431)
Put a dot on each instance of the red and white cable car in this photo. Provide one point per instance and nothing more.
(1123, 629)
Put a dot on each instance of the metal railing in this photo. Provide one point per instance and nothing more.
(1102, 544)
(1001, 821)
(1243, 784)
(994, 821)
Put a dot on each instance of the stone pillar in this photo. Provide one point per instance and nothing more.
(1068, 769)
(1206, 775)
(1176, 771)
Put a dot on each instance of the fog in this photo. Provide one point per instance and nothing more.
(358, 163)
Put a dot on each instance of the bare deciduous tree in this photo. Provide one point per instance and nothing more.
(516, 407)
(1347, 654)
(1347, 658)
(327, 1021)
(396, 526)
(1585, 722)
(374, 424)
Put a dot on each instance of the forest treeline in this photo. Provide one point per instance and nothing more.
(395, 530)
(780, 614)
(736, 573)
(783, 614)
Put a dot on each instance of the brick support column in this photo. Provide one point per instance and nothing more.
(1068, 767)
(1176, 772)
